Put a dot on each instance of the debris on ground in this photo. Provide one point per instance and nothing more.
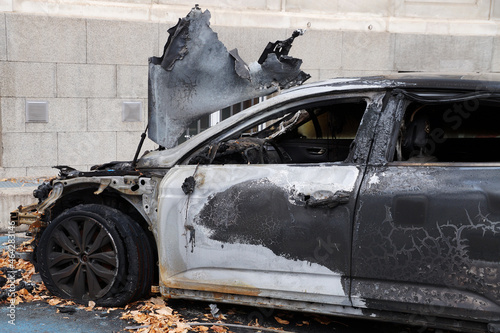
(16, 274)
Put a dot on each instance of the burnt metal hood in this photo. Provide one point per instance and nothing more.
(197, 76)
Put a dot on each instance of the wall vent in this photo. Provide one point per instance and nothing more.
(37, 112)
(132, 111)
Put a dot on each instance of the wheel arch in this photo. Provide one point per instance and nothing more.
(131, 205)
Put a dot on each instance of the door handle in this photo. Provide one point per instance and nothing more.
(316, 151)
(328, 199)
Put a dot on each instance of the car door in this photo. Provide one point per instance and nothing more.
(276, 231)
(426, 237)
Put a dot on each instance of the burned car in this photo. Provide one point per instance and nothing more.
(364, 197)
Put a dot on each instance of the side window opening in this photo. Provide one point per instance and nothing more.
(452, 132)
(207, 121)
(315, 134)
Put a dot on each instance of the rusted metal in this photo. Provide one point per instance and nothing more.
(105, 182)
(25, 215)
(219, 291)
(32, 213)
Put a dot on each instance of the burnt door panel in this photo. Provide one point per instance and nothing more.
(277, 235)
(426, 240)
(279, 231)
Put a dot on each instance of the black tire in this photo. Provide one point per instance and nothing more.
(95, 253)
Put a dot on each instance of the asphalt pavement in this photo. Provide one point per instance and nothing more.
(40, 317)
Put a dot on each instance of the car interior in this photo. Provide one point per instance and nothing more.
(451, 132)
(315, 134)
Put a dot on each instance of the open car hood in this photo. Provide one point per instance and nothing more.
(197, 76)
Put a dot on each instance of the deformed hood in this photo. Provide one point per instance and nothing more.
(197, 76)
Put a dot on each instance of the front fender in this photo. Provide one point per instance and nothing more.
(136, 190)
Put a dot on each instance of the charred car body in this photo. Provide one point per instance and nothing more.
(373, 197)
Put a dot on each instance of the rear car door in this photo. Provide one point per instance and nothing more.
(427, 235)
(281, 232)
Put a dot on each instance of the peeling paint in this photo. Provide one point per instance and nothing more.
(373, 180)
(250, 219)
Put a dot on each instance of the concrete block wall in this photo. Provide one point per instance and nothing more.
(328, 54)
(86, 61)
(85, 69)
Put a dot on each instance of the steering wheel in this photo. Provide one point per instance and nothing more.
(282, 155)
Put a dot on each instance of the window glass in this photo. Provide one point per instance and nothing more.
(204, 123)
(226, 113)
(454, 132)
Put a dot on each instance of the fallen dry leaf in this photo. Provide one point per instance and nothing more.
(302, 323)
(32, 291)
(218, 329)
(256, 324)
(181, 328)
(322, 320)
(54, 301)
(282, 321)
(165, 311)
(157, 301)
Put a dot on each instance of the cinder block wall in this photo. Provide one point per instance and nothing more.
(84, 69)
(86, 61)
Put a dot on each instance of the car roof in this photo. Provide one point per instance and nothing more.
(414, 81)
(469, 82)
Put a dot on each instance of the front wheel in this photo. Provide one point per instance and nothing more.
(95, 253)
